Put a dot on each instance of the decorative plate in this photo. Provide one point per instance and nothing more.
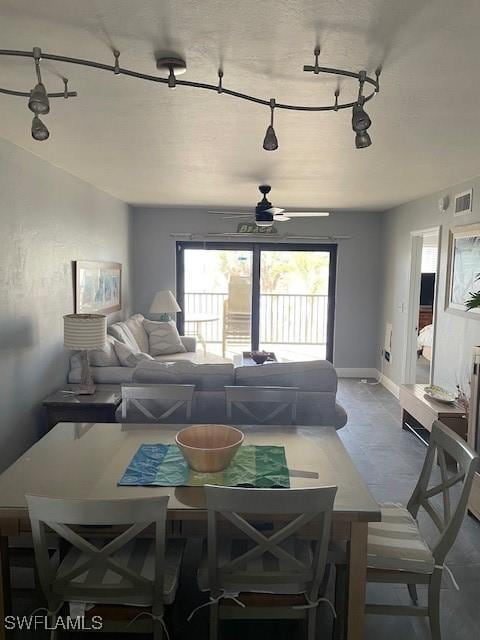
(441, 395)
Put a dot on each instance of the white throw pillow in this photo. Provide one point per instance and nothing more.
(163, 338)
(105, 357)
(135, 324)
(128, 357)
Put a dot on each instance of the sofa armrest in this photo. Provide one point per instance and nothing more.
(189, 342)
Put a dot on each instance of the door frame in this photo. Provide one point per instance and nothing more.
(410, 359)
(256, 248)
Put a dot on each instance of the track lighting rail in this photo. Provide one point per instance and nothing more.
(38, 97)
(117, 70)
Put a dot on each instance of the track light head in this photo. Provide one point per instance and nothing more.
(38, 101)
(39, 130)
(360, 119)
(362, 140)
(270, 142)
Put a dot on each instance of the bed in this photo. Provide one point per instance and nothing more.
(425, 342)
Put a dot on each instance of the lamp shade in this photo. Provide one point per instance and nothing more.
(84, 331)
(164, 302)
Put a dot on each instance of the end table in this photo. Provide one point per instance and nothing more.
(98, 407)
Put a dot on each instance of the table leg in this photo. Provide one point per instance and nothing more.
(5, 593)
(357, 581)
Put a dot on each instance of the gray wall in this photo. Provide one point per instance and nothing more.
(456, 334)
(47, 219)
(356, 330)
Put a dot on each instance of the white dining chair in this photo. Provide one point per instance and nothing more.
(252, 575)
(164, 400)
(398, 553)
(245, 399)
(124, 570)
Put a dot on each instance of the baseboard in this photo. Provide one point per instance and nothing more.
(390, 385)
(357, 373)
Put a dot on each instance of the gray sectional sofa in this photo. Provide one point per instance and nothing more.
(316, 380)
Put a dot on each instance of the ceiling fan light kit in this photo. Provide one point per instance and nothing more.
(266, 215)
(174, 65)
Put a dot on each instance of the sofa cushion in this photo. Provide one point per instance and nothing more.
(122, 333)
(105, 357)
(203, 376)
(104, 375)
(198, 357)
(163, 338)
(130, 357)
(316, 375)
(135, 324)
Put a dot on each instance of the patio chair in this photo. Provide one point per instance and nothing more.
(283, 399)
(124, 571)
(397, 551)
(164, 400)
(237, 312)
(265, 577)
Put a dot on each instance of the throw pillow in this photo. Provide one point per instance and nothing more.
(128, 356)
(105, 357)
(135, 324)
(163, 338)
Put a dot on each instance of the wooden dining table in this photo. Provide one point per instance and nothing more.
(86, 461)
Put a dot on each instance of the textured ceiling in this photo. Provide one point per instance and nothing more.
(146, 144)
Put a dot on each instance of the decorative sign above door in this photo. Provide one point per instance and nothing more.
(252, 227)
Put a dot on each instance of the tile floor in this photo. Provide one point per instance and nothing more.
(390, 460)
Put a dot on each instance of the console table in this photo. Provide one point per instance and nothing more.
(62, 406)
(419, 411)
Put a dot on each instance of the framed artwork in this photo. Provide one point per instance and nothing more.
(98, 287)
(463, 275)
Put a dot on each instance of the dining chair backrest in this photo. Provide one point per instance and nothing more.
(63, 516)
(173, 396)
(283, 399)
(444, 442)
(297, 507)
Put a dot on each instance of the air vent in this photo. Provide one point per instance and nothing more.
(463, 203)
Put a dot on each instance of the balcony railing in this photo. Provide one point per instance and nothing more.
(284, 318)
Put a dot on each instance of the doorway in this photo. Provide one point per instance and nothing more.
(241, 296)
(422, 307)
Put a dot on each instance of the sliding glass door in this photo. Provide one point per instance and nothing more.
(241, 296)
(294, 303)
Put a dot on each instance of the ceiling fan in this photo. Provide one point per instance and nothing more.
(266, 215)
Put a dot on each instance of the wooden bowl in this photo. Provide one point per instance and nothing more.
(209, 447)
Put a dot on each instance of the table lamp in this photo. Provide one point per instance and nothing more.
(164, 303)
(83, 332)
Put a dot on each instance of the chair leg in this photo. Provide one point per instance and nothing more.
(340, 602)
(412, 590)
(312, 624)
(434, 604)
(213, 621)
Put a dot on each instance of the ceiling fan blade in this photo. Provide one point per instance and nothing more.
(308, 214)
(233, 213)
(280, 217)
(274, 210)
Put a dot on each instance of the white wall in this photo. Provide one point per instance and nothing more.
(48, 219)
(358, 264)
(456, 334)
